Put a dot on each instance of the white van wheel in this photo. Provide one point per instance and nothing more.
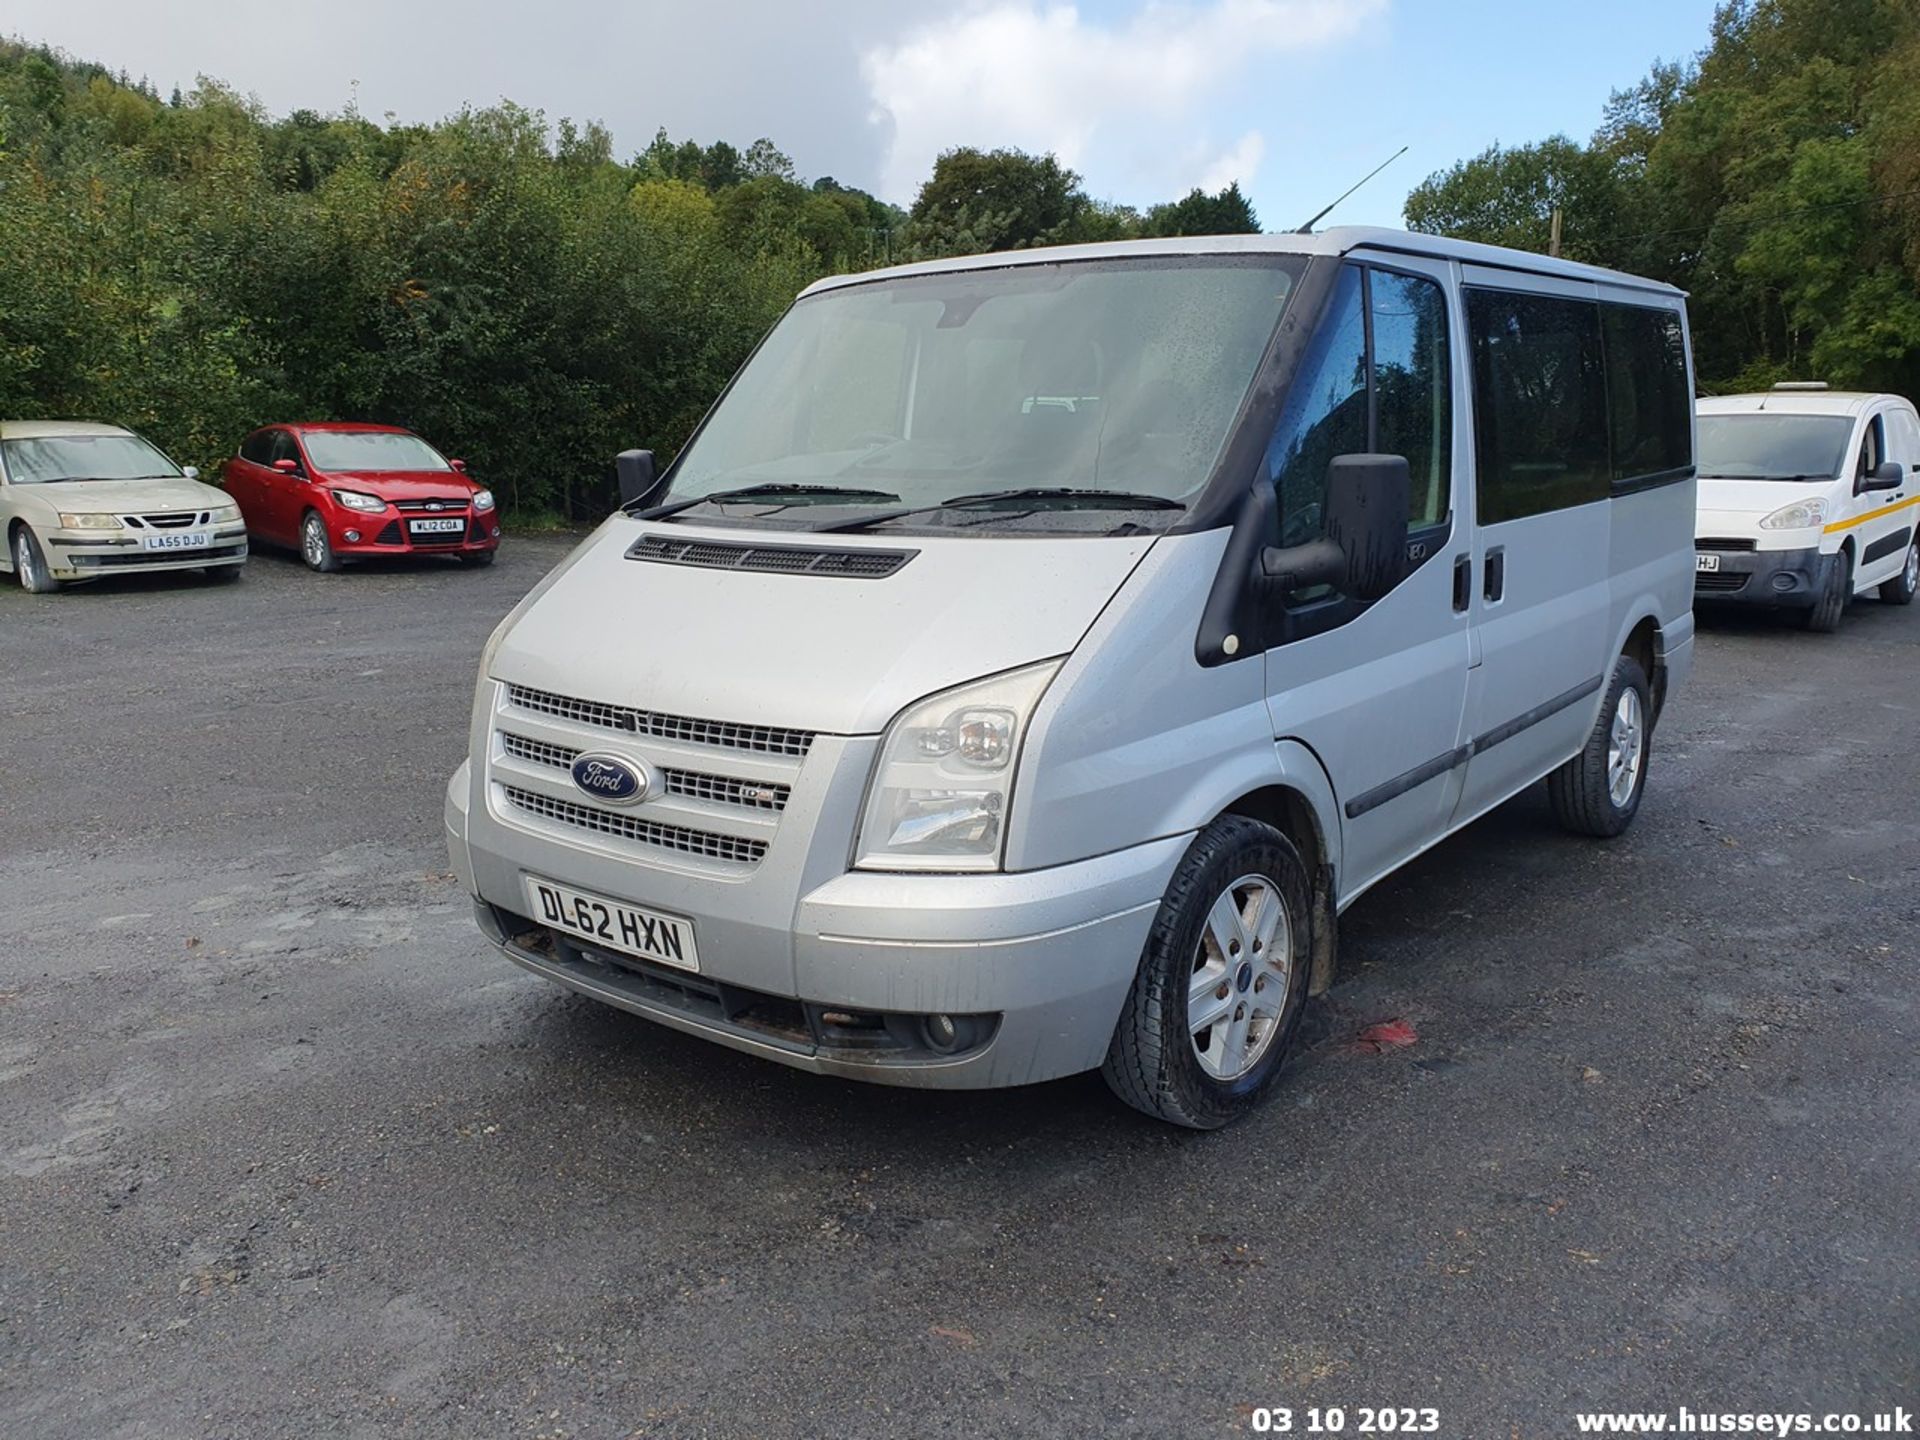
(1900, 590)
(1598, 791)
(1223, 980)
(30, 564)
(1824, 617)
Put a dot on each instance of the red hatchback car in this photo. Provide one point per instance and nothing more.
(346, 492)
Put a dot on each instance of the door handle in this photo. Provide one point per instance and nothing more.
(1462, 583)
(1496, 585)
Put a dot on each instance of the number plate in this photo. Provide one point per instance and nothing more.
(1706, 562)
(179, 540)
(437, 527)
(663, 939)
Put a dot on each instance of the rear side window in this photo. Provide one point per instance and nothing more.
(1540, 403)
(1650, 404)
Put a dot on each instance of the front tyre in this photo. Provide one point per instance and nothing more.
(1222, 982)
(315, 548)
(1900, 590)
(30, 564)
(1598, 791)
(1824, 617)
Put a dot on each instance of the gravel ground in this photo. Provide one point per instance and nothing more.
(284, 1151)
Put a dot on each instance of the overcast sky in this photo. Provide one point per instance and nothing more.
(1295, 99)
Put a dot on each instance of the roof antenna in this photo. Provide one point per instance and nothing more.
(1307, 229)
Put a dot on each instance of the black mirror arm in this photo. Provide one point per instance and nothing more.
(1300, 567)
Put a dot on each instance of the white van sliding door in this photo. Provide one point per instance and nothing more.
(1542, 477)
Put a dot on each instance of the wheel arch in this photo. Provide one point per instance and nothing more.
(1301, 806)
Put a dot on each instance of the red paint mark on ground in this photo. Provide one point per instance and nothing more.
(1386, 1035)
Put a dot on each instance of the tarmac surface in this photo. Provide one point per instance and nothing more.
(286, 1150)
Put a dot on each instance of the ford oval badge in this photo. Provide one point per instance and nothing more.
(609, 778)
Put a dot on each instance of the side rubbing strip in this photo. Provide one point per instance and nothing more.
(1440, 764)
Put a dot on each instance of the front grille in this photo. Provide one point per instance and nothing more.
(390, 534)
(767, 739)
(719, 789)
(1719, 583)
(445, 505)
(703, 843)
(172, 520)
(774, 559)
(210, 554)
(1725, 547)
(477, 531)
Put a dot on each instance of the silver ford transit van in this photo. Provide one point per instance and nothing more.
(1031, 655)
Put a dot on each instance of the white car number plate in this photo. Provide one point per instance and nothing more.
(436, 527)
(1704, 561)
(664, 939)
(180, 540)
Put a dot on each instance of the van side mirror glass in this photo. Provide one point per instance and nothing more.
(1887, 475)
(1363, 551)
(634, 469)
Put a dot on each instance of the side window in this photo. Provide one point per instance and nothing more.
(1413, 394)
(1873, 445)
(1540, 403)
(1325, 412)
(256, 447)
(1651, 408)
(284, 448)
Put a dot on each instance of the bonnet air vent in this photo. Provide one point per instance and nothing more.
(775, 559)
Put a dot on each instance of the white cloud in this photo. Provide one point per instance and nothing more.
(1132, 99)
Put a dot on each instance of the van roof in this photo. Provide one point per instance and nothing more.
(41, 429)
(1337, 241)
(1792, 402)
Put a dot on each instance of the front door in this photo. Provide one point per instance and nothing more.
(1883, 518)
(285, 492)
(1377, 691)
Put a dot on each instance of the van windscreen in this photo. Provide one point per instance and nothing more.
(1772, 447)
(1121, 375)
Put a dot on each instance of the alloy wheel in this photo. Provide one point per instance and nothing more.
(313, 542)
(1242, 969)
(1912, 579)
(1626, 747)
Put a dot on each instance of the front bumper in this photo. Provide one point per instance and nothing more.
(1042, 960)
(91, 554)
(1791, 578)
(390, 533)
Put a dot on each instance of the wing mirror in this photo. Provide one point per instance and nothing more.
(192, 472)
(1887, 475)
(1363, 553)
(459, 465)
(287, 467)
(635, 471)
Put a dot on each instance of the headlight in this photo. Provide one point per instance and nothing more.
(354, 500)
(1801, 515)
(89, 522)
(483, 500)
(944, 780)
(225, 514)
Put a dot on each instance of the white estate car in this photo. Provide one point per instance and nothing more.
(80, 500)
(1808, 497)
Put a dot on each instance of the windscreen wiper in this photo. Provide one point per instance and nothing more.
(773, 490)
(1066, 496)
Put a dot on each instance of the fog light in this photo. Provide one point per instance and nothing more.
(353, 537)
(942, 1033)
(1783, 581)
(496, 532)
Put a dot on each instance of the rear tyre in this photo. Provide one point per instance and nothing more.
(1598, 791)
(1900, 590)
(315, 548)
(1824, 617)
(477, 558)
(1222, 982)
(30, 564)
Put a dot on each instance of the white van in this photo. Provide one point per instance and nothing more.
(1030, 655)
(1807, 499)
